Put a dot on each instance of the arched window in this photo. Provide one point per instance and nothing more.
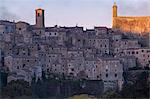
(38, 14)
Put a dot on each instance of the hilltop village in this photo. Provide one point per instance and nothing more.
(94, 54)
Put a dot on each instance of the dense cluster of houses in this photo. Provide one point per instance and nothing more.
(93, 54)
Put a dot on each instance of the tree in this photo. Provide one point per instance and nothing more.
(3, 79)
(142, 85)
(82, 96)
(139, 88)
(16, 89)
(111, 94)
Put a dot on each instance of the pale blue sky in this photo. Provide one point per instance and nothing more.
(87, 13)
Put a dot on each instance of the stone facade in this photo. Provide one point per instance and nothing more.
(142, 54)
(137, 24)
(93, 54)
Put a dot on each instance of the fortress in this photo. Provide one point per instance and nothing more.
(135, 24)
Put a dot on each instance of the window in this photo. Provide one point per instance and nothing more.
(72, 69)
(148, 51)
(40, 32)
(100, 75)
(23, 65)
(133, 52)
(17, 67)
(106, 75)
(96, 66)
(97, 76)
(129, 53)
(38, 14)
(115, 75)
(20, 29)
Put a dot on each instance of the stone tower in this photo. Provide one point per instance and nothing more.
(114, 10)
(40, 18)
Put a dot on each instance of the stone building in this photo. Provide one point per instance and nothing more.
(7, 27)
(128, 62)
(134, 24)
(93, 54)
(123, 44)
(142, 55)
(111, 72)
(91, 69)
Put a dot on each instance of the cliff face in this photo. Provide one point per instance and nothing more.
(132, 24)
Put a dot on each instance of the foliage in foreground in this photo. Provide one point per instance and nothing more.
(16, 89)
(52, 88)
(137, 89)
(82, 96)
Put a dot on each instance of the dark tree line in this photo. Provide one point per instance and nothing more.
(55, 86)
(140, 89)
(63, 88)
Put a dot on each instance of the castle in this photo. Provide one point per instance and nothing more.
(93, 54)
(134, 24)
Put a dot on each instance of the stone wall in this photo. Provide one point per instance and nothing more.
(132, 24)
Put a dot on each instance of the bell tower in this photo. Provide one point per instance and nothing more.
(40, 18)
(114, 10)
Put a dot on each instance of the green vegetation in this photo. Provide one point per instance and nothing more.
(111, 94)
(75, 89)
(137, 89)
(82, 96)
(16, 89)
(3, 79)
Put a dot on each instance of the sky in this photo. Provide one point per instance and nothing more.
(86, 13)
